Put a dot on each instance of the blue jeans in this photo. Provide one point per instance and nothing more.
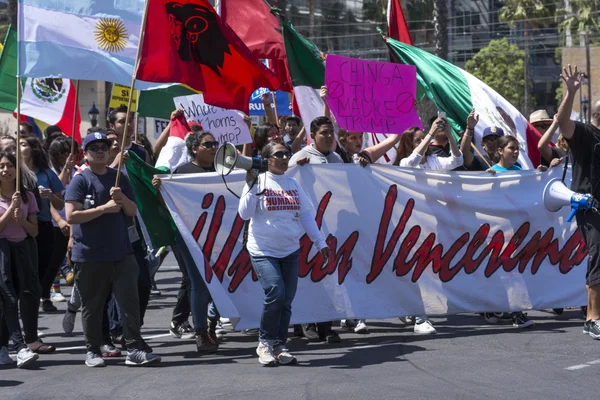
(199, 294)
(279, 279)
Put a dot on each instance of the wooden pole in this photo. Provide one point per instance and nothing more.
(480, 155)
(132, 88)
(75, 118)
(135, 126)
(18, 149)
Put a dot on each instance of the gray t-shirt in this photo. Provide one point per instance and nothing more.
(104, 239)
(315, 156)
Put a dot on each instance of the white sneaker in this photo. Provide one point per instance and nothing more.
(4, 357)
(284, 357)
(425, 328)
(361, 327)
(265, 355)
(40, 334)
(57, 297)
(25, 358)
(225, 321)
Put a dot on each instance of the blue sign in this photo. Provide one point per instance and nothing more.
(257, 108)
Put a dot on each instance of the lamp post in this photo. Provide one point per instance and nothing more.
(93, 114)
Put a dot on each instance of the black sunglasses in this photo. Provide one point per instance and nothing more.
(209, 145)
(95, 148)
(281, 154)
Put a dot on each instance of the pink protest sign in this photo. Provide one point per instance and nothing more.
(371, 96)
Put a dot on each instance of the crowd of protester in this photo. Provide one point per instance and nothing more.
(55, 219)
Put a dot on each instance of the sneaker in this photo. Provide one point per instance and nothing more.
(26, 358)
(109, 350)
(310, 332)
(361, 327)
(332, 336)
(251, 332)
(145, 347)
(265, 355)
(40, 334)
(47, 306)
(347, 325)
(57, 297)
(425, 328)
(594, 329)
(494, 318)
(139, 357)
(94, 360)
(154, 291)
(408, 320)
(204, 343)
(283, 356)
(213, 327)
(182, 331)
(5, 359)
(68, 322)
(520, 320)
(225, 321)
(586, 327)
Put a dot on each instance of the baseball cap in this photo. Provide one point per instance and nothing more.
(492, 131)
(95, 137)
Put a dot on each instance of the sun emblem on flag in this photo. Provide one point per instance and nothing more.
(48, 89)
(111, 34)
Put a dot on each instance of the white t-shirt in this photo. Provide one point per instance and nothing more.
(278, 217)
(433, 162)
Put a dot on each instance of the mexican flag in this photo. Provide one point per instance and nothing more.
(307, 70)
(457, 92)
(52, 100)
(175, 153)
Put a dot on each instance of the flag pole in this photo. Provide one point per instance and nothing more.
(75, 117)
(480, 155)
(18, 149)
(135, 127)
(132, 88)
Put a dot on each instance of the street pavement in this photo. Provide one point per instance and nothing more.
(465, 360)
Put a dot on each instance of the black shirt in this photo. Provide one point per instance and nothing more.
(347, 157)
(585, 148)
(556, 153)
(440, 151)
(191, 168)
(479, 164)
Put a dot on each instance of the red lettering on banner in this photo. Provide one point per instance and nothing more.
(498, 253)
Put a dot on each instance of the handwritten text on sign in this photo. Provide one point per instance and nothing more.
(225, 125)
(371, 96)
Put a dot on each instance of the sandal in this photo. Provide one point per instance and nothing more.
(40, 348)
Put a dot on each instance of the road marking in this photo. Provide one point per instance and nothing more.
(370, 346)
(594, 362)
(576, 367)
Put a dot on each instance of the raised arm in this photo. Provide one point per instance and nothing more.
(543, 144)
(376, 151)
(572, 79)
(467, 139)
(164, 136)
(269, 112)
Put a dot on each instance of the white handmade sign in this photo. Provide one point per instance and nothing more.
(403, 241)
(225, 125)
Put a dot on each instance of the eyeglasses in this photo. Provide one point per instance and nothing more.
(23, 132)
(281, 154)
(209, 145)
(95, 148)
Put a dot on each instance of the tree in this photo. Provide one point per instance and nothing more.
(501, 66)
(582, 17)
(374, 10)
(440, 26)
(530, 13)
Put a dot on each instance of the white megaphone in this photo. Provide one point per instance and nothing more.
(228, 158)
(557, 195)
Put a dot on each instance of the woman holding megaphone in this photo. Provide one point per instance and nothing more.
(280, 213)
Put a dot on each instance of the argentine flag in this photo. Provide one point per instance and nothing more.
(80, 39)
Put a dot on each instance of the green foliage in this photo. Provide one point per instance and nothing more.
(540, 11)
(583, 16)
(501, 66)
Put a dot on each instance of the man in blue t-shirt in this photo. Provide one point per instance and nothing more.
(102, 253)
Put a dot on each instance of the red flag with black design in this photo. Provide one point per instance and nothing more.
(186, 42)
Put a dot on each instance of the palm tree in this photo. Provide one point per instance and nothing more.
(529, 13)
(440, 26)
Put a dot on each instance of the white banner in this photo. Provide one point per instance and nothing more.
(404, 242)
(225, 125)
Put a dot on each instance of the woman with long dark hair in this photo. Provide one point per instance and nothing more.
(280, 213)
(50, 189)
(19, 283)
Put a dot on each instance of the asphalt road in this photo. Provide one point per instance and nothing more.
(465, 360)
